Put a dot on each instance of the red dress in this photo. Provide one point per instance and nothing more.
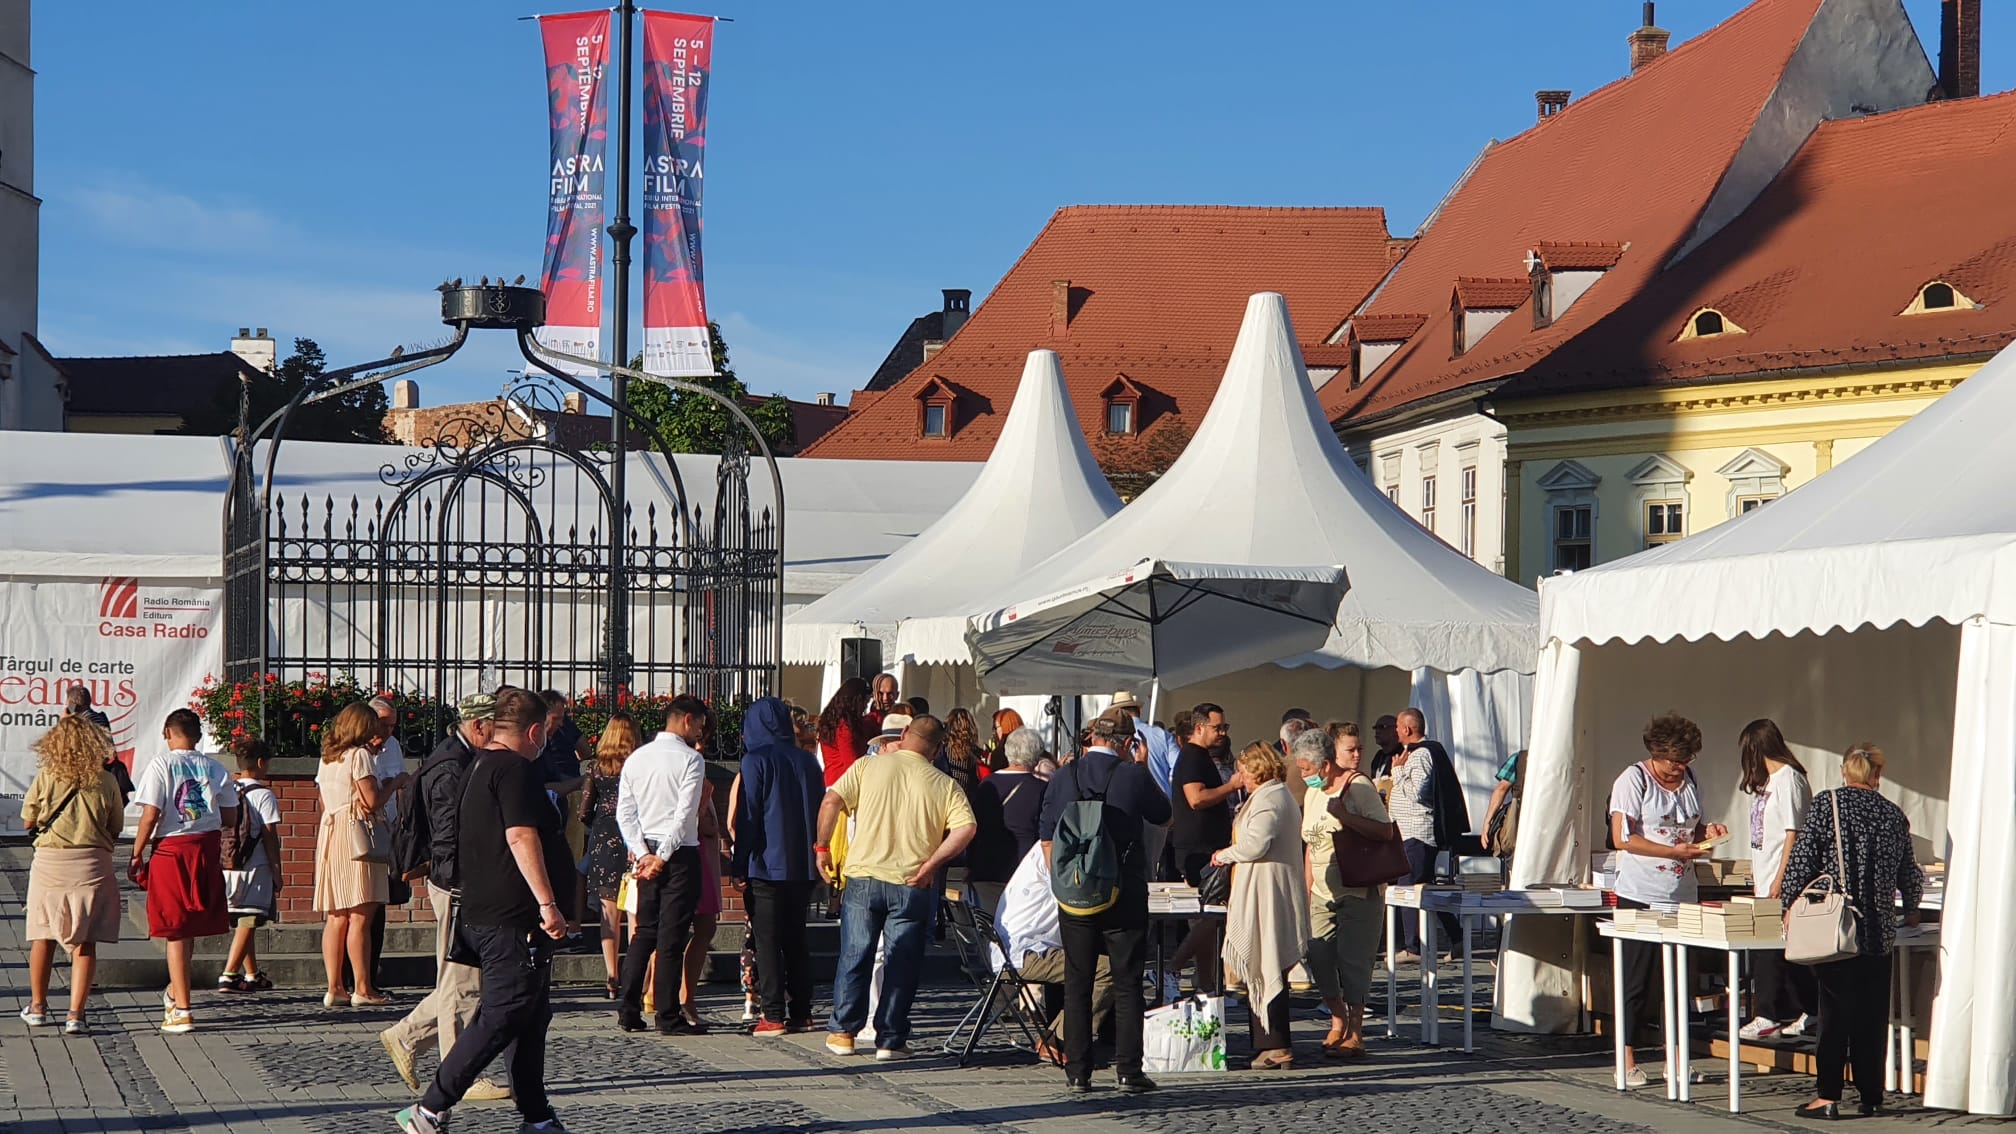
(850, 743)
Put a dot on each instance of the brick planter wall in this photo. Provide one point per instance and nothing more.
(301, 814)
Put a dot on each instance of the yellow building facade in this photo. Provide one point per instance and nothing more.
(1593, 477)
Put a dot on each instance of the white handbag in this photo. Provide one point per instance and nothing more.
(1822, 924)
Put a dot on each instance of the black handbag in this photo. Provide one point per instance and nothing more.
(1214, 884)
(460, 951)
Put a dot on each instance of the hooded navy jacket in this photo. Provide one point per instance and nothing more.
(778, 815)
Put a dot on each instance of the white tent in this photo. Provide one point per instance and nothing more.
(1871, 604)
(1265, 482)
(1039, 490)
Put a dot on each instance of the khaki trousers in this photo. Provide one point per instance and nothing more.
(1048, 968)
(447, 1010)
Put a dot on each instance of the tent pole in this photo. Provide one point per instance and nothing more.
(1154, 697)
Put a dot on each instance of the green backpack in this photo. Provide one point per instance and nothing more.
(1084, 863)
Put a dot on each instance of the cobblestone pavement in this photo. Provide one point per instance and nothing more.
(280, 1062)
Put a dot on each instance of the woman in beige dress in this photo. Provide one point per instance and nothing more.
(347, 891)
(1267, 916)
(1356, 914)
(76, 811)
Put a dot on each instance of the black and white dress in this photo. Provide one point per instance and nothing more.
(1876, 844)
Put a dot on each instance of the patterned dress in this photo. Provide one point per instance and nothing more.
(607, 858)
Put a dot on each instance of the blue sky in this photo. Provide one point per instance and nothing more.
(316, 169)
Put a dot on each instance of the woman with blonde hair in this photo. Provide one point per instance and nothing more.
(76, 811)
(607, 859)
(1860, 843)
(348, 891)
(1267, 916)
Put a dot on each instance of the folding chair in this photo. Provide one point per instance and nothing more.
(1002, 992)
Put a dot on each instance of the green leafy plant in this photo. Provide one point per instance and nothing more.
(295, 712)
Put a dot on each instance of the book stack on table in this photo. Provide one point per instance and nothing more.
(1544, 897)
(1645, 921)
(1731, 873)
(1173, 898)
(1738, 919)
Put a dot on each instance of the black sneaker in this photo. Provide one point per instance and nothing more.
(630, 1022)
(1135, 1083)
(679, 1026)
(1078, 1086)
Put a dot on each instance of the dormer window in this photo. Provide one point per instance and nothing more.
(1122, 398)
(1561, 270)
(937, 403)
(1480, 303)
(1938, 296)
(1708, 323)
(1374, 339)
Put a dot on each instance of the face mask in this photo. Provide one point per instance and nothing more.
(1313, 781)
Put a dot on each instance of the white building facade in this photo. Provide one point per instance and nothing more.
(31, 385)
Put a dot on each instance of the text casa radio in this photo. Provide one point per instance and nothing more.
(125, 611)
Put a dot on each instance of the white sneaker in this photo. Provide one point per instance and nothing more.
(749, 1015)
(865, 1035)
(1797, 1027)
(1636, 1077)
(1760, 1028)
(177, 1021)
(33, 1018)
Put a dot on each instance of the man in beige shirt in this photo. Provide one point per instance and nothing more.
(910, 819)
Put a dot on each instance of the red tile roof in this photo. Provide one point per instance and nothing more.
(1634, 161)
(1156, 292)
(1817, 270)
(1500, 293)
(1386, 328)
(1579, 255)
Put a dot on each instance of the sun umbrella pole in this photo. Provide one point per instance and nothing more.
(1154, 699)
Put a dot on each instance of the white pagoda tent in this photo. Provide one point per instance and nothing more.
(1872, 604)
(1039, 490)
(1265, 482)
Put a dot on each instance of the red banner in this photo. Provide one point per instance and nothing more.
(678, 65)
(577, 55)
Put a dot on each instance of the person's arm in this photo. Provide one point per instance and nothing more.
(1784, 860)
(1154, 806)
(1910, 883)
(1620, 834)
(1340, 810)
(1498, 794)
(1254, 837)
(444, 821)
(366, 786)
(31, 803)
(710, 820)
(829, 819)
(150, 818)
(954, 844)
(524, 844)
(1201, 797)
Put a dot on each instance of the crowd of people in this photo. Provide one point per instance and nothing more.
(875, 802)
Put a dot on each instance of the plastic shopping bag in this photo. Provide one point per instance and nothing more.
(1188, 1035)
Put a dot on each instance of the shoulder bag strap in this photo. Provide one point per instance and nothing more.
(1840, 859)
(44, 823)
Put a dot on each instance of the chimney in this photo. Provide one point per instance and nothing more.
(931, 347)
(822, 398)
(1960, 48)
(406, 394)
(1648, 42)
(1060, 308)
(574, 403)
(256, 349)
(1551, 103)
(958, 305)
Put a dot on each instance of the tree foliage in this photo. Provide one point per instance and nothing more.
(694, 423)
(1131, 464)
(356, 415)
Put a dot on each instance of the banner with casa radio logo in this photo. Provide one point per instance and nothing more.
(141, 649)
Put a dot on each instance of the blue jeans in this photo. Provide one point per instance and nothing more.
(901, 916)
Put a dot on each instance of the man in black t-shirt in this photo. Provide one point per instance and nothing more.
(1200, 825)
(1386, 738)
(510, 917)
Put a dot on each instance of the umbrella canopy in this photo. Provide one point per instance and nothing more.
(1174, 622)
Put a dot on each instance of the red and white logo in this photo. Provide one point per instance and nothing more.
(119, 598)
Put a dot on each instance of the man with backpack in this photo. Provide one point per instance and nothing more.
(1094, 813)
(423, 846)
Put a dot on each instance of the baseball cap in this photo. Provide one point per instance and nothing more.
(894, 724)
(478, 707)
(1112, 725)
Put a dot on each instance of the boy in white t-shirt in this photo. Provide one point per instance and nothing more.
(252, 884)
(186, 800)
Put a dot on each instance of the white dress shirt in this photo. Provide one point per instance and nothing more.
(389, 764)
(1027, 920)
(658, 796)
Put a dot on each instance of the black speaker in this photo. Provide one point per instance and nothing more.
(860, 657)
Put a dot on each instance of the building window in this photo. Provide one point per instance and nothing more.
(1665, 521)
(1393, 493)
(1748, 504)
(1574, 545)
(1939, 296)
(1708, 323)
(1428, 502)
(1755, 478)
(934, 420)
(1120, 417)
(1470, 512)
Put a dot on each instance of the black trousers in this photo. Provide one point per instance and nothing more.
(1421, 862)
(1121, 935)
(1854, 1013)
(1642, 982)
(1782, 990)
(783, 960)
(517, 968)
(1268, 1027)
(665, 906)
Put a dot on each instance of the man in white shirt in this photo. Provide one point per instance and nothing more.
(388, 767)
(1028, 928)
(658, 811)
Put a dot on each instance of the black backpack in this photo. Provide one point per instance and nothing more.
(245, 840)
(413, 832)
